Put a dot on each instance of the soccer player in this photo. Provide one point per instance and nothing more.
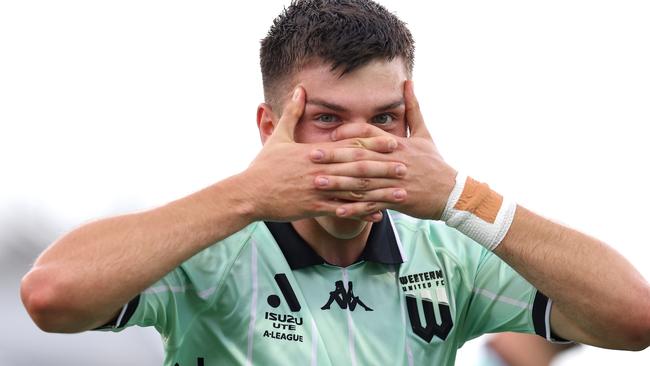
(348, 239)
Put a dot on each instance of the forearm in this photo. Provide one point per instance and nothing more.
(84, 277)
(605, 298)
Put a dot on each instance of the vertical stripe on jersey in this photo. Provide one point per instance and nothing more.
(119, 318)
(351, 333)
(314, 343)
(547, 320)
(409, 352)
(253, 314)
(402, 253)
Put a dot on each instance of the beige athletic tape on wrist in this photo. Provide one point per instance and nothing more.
(478, 212)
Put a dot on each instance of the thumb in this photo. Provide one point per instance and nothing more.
(414, 117)
(291, 114)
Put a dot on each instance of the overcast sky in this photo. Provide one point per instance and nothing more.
(123, 105)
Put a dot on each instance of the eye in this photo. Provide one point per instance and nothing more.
(383, 119)
(327, 118)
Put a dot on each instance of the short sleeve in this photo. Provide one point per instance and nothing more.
(171, 303)
(502, 300)
(163, 305)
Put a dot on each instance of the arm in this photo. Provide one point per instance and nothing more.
(82, 280)
(519, 349)
(599, 298)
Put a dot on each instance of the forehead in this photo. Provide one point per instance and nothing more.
(377, 83)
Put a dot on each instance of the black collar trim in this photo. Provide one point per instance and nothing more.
(382, 245)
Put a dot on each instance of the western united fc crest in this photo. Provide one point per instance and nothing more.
(429, 289)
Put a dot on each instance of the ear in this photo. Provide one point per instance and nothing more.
(266, 121)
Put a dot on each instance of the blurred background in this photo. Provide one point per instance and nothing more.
(110, 107)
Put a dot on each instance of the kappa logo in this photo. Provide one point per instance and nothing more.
(287, 292)
(344, 298)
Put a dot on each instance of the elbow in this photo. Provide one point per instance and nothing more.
(47, 303)
(639, 327)
(638, 338)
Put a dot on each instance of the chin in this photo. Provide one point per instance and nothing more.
(341, 228)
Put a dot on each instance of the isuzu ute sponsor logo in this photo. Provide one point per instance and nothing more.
(287, 292)
(286, 327)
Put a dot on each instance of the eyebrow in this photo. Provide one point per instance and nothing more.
(339, 108)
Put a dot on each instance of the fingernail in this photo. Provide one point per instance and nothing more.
(322, 181)
(400, 170)
(317, 154)
(296, 94)
(399, 194)
(392, 144)
(376, 216)
(341, 211)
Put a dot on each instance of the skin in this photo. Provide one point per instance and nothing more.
(518, 349)
(363, 165)
(370, 95)
(82, 280)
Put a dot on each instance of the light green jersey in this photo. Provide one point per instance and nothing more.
(264, 297)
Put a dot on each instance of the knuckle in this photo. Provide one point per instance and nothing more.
(294, 112)
(334, 183)
(356, 196)
(363, 168)
(370, 207)
(315, 206)
(330, 155)
(363, 183)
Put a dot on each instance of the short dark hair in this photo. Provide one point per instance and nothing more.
(347, 34)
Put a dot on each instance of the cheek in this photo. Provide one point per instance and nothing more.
(398, 129)
(306, 132)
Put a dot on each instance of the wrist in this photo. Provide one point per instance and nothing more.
(478, 212)
(244, 201)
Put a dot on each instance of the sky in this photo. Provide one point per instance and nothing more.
(109, 107)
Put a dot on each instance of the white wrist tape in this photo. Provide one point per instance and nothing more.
(478, 212)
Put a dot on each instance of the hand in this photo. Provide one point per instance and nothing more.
(428, 180)
(283, 182)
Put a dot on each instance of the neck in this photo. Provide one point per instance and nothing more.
(337, 251)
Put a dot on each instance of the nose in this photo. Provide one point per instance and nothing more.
(358, 120)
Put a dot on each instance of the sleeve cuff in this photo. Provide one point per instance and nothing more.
(123, 317)
(542, 319)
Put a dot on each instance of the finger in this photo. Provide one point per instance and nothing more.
(336, 183)
(346, 155)
(382, 144)
(375, 217)
(414, 118)
(390, 195)
(361, 209)
(329, 207)
(367, 169)
(291, 113)
(356, 130)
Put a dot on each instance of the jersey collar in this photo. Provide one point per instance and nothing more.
(381, 247)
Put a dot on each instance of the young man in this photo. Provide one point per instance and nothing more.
(298, 260)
